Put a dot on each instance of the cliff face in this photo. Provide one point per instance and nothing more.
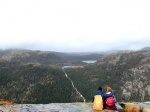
(135, 76)
(133, 70)
(128, 74)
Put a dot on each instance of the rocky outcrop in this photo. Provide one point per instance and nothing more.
(53, 107)
(72, 107)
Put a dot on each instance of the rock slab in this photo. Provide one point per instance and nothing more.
(53, 107)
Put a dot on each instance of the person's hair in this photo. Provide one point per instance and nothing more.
(100, 88)
(108, 89)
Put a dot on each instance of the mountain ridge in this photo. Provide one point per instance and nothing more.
(45, 57)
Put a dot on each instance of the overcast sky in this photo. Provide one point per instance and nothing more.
(74, 25)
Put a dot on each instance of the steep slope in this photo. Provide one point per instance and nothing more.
(31, 83)
(126, 72)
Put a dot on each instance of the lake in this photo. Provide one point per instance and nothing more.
(89, 61)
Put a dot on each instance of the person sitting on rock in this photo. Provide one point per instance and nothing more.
(109, 103)
(99, 98)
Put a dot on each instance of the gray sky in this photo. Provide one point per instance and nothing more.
(74, 25)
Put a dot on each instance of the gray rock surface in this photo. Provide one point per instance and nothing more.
(53, 107)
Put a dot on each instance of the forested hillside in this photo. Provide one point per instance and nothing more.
(28, 76)
(31, 83)
(128, 73)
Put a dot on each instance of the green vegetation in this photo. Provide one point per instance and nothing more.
(33, 84)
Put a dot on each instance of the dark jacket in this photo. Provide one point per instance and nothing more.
(104, 96)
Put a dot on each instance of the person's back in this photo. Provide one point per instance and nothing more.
(98, 102)
(110, 101)
(98, 99)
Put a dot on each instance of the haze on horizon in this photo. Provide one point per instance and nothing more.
(74, 25)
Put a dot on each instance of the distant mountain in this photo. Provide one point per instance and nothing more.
(146, 49)
(3, 52)
(126, 72)
(20, 55)
(45, 57)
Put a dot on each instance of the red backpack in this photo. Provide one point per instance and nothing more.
(110, 101)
